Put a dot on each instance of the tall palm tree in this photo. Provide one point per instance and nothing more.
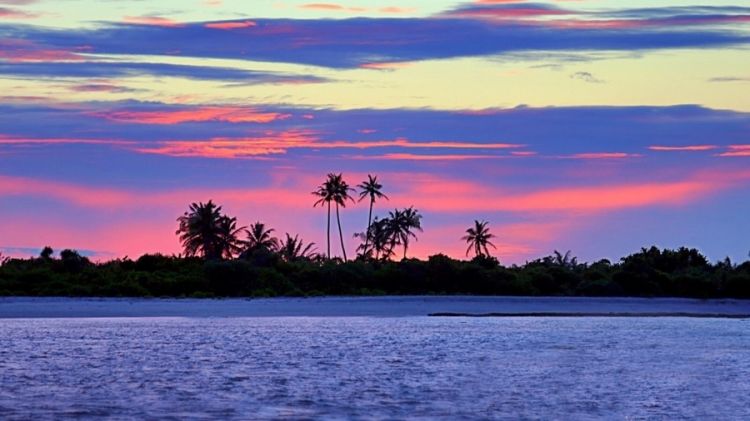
(293, 248)
(370, 188)
(325, 195)
(478, 237)
(259, 237)
(199, 230)
(410, 219)
(335, 190)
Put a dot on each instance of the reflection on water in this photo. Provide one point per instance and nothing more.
(375, 368)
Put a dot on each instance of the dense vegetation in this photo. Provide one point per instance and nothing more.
(650, 272)
(219, 262)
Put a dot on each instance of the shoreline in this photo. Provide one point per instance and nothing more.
(372, 306)
(584, 314)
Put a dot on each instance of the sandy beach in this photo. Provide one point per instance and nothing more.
(33, 307)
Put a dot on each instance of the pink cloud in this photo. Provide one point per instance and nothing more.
(601, 155)
(152, 21)
(441, 195)
(689, 148)
(274, 143)
(386, 65)
(226, 114)
(397, 10)
(332, 7)
(231, 25)
(416, 157)
(643, 23)
(97, 87)
(18, 50)
(18, 2)
(503, 14)
(736, 151)
(8, 13)
(14, 140)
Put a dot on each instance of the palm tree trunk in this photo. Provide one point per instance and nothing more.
(367, 233)
(341, 234)
(328, 231)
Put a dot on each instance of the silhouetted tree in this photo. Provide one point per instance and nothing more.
(370, 188)
(401, 226)
(380, 237)
(567, 260)
(72, 261)
(47, 253)
(478, 237)
(260, 237)
(293, 248)
(336, 190)
(204, 231)
(229, 243)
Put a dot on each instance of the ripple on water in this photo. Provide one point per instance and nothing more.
(416, 367)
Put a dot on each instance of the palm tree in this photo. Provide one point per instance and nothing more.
(400, 226)
(370, 188)
(199, 230)
(380, 237)
(336, 190)
(478, 238)
(294, 248)
(228, 242)
(566, 260)
(412, 219)
(324, 193)
(259, 237)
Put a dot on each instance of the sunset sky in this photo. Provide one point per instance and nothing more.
(598, 126)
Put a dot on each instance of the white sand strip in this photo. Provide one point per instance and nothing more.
(27, 307)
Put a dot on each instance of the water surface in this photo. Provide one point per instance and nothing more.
(375, 368)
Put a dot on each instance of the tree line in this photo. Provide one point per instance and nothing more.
(206, 232)
(651, 272)
(222, 259)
